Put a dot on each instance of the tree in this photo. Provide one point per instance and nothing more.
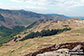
(45, 33)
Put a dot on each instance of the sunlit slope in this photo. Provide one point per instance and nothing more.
(30, 45)
(53, 24)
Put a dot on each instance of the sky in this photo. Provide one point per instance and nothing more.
(65, 7)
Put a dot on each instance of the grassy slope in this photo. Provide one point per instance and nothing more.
(31, 45)
(7, 34)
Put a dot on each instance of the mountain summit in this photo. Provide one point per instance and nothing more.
(13, 18)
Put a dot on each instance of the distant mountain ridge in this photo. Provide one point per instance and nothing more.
(13, 18)
(77, 17)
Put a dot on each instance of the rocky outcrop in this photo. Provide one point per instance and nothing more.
(62, 52)
(59, 50)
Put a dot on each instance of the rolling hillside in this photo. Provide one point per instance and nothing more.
(54, 24)
(22, 48)
(35, 22)
(14, 21)
(46, 24)
(11, 18)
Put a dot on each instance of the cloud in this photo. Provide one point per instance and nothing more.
(18, 0)
(73, 3)
(30, 8)
(7, 6)
(67, 7)
(35, 2)
(60, 3)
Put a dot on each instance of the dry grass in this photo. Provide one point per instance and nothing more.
(31, 45)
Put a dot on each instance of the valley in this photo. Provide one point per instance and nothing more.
(21, 48)
(41, 27)
(30, 32)
(14, 21)
(32, 45)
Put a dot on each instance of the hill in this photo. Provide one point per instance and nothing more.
(50, 24)
(14, 21)
(27, 46)
(77, 17)
(23, 18)
(55, 24)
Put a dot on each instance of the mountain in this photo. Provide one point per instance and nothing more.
(12, 31)
(77, 17)
(55, 24)
(81, 17)
(14, 21)
(49, 24)
(21, 48)
(11, 18)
